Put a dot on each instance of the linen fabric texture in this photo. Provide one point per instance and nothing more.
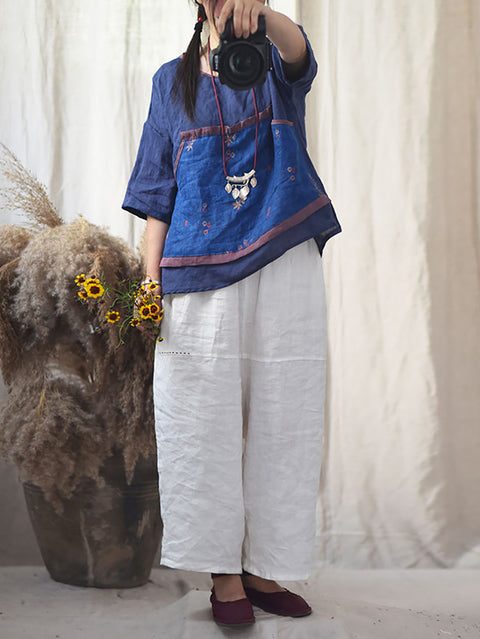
(239, 387)
(178, 177)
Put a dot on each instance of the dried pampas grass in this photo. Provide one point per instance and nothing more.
(13, 240)
(74, 397)
(25, 193)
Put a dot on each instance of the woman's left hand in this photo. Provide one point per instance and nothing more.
(245, 16)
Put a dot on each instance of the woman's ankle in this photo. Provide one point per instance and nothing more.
(228, 587)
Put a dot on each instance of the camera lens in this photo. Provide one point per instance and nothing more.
(241, 63)
(244, 65)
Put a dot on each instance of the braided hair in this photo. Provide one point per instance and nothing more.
(187, 73)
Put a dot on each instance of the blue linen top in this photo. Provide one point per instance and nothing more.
(214, 239)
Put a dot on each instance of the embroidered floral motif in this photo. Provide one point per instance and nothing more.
(277, 134)
(241, 246)
(291, 169)
(237, 205)
(230, 138)
(207, 224)
(204, 207)
(229, 155)
(190, 143)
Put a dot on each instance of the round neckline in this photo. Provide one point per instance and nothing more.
(209, 75)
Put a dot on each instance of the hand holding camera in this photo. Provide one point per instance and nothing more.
(245, 14)
(242, 61)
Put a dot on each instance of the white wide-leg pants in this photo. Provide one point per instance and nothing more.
(239, 390)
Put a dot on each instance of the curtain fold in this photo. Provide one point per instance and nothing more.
(393, 121)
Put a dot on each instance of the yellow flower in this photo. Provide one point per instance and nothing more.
(152, 286)
(135, 321)
(154, 309)
(83, 294)
(144, 312)
(156, 317)
(94, 289)
(112, 316)
(160, 339)
(80, 279)
(92, 280)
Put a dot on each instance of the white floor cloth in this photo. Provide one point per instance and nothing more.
(239, 388)
(347, 604)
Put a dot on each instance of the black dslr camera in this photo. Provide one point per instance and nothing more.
(242, 63)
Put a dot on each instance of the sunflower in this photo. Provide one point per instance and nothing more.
(135, 321)
(80, 279)
(83, 294)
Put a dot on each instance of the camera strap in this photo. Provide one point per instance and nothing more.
(238, 186)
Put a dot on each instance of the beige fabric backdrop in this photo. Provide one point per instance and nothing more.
(393, 130)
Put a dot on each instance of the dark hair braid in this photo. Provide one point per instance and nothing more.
(188, 69)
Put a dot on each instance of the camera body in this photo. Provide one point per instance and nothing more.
(242, 63)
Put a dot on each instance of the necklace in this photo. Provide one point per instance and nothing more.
(238, 186)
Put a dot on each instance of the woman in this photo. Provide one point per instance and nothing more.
(237, 220)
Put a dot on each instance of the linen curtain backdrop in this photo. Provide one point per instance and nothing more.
(393, 128)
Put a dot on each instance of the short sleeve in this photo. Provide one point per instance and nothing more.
(152, 187)
(303, 84)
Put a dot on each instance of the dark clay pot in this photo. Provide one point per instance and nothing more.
(107, 536)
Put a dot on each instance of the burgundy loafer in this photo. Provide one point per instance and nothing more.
(232, 613)
(283, 602)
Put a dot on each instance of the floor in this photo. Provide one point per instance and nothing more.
(360, 604)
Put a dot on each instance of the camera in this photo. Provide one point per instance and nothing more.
(242, 63)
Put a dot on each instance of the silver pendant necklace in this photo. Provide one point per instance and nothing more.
(238, 186)
(241, 185)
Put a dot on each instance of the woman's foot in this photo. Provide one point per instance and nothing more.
(261, 584)
(228, 587)
(269, 596)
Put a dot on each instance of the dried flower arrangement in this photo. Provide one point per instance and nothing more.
(74, 398)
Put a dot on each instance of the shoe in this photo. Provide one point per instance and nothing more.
(282, 602)
(232, 613)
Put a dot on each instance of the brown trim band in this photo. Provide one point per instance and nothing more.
(301, 215)
(177, 159)
(289, 122)
(216, 130)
